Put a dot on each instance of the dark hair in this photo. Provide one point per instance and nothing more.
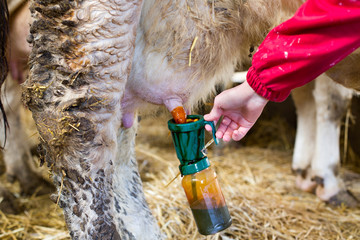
(4, 68)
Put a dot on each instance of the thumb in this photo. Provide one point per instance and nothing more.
(214, 114)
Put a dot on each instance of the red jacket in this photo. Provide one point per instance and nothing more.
(321, 33)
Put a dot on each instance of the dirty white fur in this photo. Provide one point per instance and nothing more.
(107, 30)
(135, 215)
(320, 108)
(317, 140)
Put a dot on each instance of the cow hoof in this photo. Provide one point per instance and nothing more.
(303, 182)
(344, 198)
(8, 202)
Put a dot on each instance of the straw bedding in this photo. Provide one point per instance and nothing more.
(256, 181)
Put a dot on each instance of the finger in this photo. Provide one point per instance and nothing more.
(226, 121)
(237, 135)
(240, 133)
(233, 125)
(222, 128)
(219, 134)
(214, 114)
(227, 126)
(227, 136)
(208, 127)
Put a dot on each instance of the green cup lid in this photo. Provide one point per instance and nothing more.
(195, 167)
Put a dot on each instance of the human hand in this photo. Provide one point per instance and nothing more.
(241, 106)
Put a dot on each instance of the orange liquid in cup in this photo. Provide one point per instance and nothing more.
(206, 201)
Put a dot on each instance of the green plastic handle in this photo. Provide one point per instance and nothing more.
(213, 131)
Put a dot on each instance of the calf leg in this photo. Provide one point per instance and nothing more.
(332, 101)
(305, 136)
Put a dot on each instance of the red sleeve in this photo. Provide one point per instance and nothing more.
(319, 35)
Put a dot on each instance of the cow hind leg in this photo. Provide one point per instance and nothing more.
(331, 101)
(305, 136)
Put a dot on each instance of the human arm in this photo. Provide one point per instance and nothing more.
(321, 33)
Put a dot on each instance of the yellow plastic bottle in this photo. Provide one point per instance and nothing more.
(206, 201)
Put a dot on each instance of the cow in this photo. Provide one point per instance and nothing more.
(83, 84)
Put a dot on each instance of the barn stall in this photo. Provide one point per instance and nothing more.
(255, 177)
